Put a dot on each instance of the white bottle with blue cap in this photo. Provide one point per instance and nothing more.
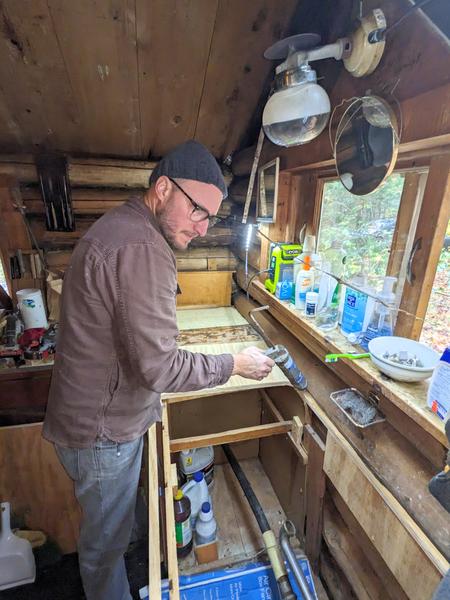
(197, 492)
(205, 526)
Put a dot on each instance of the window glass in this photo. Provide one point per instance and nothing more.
(436, 327)
(2, 277)
(363, 224)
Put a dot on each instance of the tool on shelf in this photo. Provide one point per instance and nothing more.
(280, 354)
(330, 358)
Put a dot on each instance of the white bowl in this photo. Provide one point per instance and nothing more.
(394, 344)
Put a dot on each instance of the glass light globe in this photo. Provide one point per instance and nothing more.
(296, 115)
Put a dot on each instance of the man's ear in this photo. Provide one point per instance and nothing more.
(163, 188)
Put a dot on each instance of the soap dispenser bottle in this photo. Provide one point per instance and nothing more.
(382, 320)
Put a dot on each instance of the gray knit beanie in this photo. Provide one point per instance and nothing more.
(190, 160)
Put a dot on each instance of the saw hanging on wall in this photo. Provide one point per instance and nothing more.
(55, 189)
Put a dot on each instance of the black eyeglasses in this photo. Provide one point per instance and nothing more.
(199, 213)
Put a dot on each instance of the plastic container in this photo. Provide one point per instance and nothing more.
(197, 492)
(303, 284)
(197, 459)
(382, 319)
(355, 307)
(328, 310)
(183, 529)
(17, 565)
(309, 246)
(439, 391)
(32, 309)
(205, 526)
(311, 304)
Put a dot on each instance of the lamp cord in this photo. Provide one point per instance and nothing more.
(378, 35)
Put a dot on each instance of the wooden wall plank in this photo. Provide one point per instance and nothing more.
(174, 586)
(236, 69)
(38, 108)
(315, 491)
(394, 591)
(98, 45)
(414, 561)
(431, 227)
(204, 288)
(154, 560)
(173, 43)
(351, 558)
(35, 483)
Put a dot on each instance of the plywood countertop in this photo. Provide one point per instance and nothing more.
(220, 331)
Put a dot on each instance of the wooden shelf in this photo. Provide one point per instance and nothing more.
(408, 397)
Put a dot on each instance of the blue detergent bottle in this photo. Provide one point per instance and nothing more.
(355, 306)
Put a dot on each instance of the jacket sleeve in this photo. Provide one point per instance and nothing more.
(142, 280)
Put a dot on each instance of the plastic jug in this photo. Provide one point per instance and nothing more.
(438, 392)
(197, 459)
(183, 530)
(205, 526)
(197, 492)
(355, 306)
(17, 565)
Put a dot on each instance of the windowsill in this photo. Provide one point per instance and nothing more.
(411, 398)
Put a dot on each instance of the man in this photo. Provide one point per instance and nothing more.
(117, 353)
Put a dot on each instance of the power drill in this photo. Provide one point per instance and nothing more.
(439, 486)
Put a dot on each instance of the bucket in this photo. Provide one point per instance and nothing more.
(17, 565)
(32, 309)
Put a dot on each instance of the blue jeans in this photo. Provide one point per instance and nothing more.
(106, 479)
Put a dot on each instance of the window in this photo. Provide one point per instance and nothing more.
(436, 327)
(3, 277)
(364, 224)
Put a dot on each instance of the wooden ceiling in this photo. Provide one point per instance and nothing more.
(133, 78)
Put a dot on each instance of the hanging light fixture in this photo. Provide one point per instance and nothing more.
(299, 108)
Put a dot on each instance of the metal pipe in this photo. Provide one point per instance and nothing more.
(286, 531)
(270, 541)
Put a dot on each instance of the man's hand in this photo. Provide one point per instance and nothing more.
(252, 363)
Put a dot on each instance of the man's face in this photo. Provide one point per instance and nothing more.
(177, 213)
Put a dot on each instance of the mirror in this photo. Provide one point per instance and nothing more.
(266, 206)
(366, 145)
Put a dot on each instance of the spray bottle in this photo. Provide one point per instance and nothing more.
(330, 288)
(382, 319)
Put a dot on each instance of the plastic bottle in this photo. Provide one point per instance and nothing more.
(382, 319)
(439, 391)
(303, 284)
(355, 305)
(311, 304)
(309, 246)
(183, 529)
(197, 459)
(197, 492)
(330, 289)
(205, 526)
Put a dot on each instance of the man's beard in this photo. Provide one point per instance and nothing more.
(167, 229)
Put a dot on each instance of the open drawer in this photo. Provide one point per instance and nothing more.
(269, 452)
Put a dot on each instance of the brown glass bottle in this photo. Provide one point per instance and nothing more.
(183, 531)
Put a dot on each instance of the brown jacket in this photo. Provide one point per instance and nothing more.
(116, 350)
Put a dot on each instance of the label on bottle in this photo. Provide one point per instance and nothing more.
(183, 533)
(310, 309)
